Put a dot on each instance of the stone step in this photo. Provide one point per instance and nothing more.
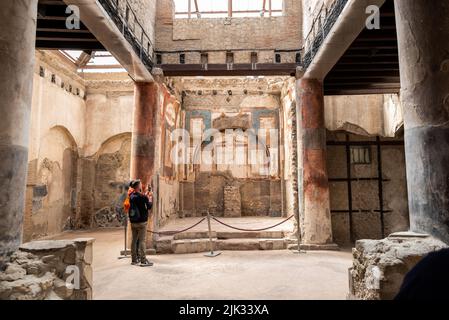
(250, 235)
(190, 246)
(185, 246)
(229, 235)
(314, 247)
(251, 244)
(194, 235)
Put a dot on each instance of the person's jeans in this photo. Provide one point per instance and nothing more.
(138, 243)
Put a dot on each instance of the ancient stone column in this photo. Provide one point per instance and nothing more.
(423, 35)
(17, 45)
(146, 97)
(316, 217)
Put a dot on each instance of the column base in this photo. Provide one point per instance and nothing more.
(408, 235)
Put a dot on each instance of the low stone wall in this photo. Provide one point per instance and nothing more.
(379, 266)
(49, 270)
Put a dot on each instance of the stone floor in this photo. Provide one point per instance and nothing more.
(233, 275)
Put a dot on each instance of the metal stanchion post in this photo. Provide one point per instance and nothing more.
(211, 254)
(124, 256)
(299, 240)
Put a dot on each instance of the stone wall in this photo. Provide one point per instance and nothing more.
(232, 201)
(239, 35)
(258, 197)
(145, 11)
(312, 9)
(49, 270)
(366, 220)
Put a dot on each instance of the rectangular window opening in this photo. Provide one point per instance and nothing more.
(229, 57)
(361, 155)
(254, 57)
(204, 58)
(278, 58)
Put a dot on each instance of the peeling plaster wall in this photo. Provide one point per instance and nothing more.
(79, 147)
(112, 163)
(105, 166)
(290, 159)
(54, 186)
(365, 115)
(227, 103)
(57, 132)
(166, 180)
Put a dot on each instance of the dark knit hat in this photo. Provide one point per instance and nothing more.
(134, 183)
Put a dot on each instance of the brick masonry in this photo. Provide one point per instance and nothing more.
(232, 201)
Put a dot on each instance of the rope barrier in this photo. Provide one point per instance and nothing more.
(252, 230)
(172, 233)
(212, 253)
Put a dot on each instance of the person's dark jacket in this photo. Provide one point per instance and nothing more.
(140, 207)
(428, 280)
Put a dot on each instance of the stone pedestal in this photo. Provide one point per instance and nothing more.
(423, 33)
(316, 217)
(17, 45)
(49, 270)
(379, 266)
(232, 202)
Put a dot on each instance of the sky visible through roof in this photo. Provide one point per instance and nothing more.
(101, 61)
(222, 6)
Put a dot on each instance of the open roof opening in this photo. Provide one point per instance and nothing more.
(188, 9)
(93, 61)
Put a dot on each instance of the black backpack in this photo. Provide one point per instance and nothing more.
(134, 213)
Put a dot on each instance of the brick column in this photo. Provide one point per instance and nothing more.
(17, 50)
(423, 35)
(146, 96)
(315, 217)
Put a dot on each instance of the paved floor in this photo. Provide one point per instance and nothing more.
(269, 275)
